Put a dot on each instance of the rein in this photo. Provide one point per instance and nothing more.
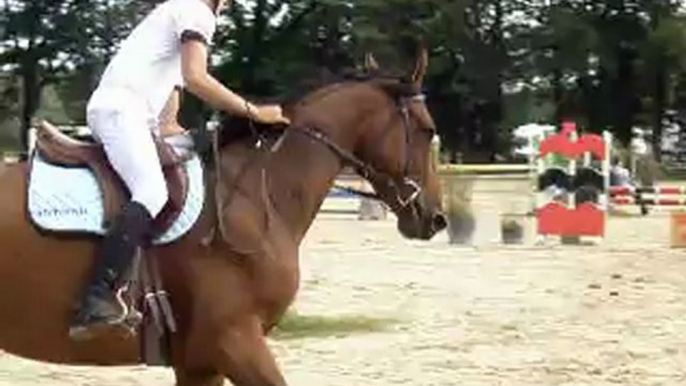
(368, 172)
(364, 169)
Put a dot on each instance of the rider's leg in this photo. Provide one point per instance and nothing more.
(130, 148)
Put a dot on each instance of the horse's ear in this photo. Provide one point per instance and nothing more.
(420, 68)
(370, 64)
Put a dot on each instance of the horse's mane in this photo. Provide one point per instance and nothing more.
(313, 87)
(238, 128)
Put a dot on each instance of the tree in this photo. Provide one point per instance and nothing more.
(42, 41)
(664, 57)
(32, 44)
(261, 49)
(608, 64)
(103, 24)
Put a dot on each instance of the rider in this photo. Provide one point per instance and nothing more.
(168, 48)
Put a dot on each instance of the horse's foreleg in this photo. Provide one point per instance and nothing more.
(245, 357)
(199, 378)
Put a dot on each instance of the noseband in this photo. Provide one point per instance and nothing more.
(401, 200)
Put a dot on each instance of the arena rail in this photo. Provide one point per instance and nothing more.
(447, 169)
(343, 202)
(651, 196)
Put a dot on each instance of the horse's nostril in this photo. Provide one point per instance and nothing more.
(439, 222)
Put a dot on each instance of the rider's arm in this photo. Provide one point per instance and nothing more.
(205, 86)
(195, 28)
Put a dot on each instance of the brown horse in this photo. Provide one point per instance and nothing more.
(229, 293)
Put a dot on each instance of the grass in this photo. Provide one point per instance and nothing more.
(7, 150)
(624, 214)
(295, 326)
(677, 176)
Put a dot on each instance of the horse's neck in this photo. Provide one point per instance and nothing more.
(300, 172)
(300, 177)
(303, 170)
(288, 184)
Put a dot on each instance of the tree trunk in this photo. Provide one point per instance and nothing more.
(624, 94)
(31, 91)
(258, 37)
(660, 100)
(502, 55)
(557, 95)
(109, 33)
(660, 86)
(31, 84)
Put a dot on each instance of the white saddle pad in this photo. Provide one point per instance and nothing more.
(65, 199)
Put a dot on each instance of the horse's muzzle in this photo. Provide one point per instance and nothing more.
(439, 222)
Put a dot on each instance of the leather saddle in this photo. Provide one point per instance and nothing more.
(60, 149)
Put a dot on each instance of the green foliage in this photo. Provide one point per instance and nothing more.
(494, 64)
(295, 326)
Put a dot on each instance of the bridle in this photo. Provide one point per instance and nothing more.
(399, 200)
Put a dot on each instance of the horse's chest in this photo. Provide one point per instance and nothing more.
(280, 280)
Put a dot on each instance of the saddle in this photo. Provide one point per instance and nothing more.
(60, 149)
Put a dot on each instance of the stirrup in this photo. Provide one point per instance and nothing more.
(127, 321)
(131, 317)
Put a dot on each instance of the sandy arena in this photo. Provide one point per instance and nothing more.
(613, 314)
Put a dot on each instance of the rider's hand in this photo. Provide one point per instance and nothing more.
(269, 114)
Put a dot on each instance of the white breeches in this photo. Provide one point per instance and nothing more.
(126, 135)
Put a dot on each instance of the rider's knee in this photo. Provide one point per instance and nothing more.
(154, 198)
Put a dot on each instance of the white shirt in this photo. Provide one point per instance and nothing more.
(148, 63)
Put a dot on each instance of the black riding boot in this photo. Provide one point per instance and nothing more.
(102, 307)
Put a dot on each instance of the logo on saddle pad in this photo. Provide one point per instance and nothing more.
(69, 199)
(58, 212)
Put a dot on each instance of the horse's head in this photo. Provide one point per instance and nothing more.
(396, 143)
(380, 126)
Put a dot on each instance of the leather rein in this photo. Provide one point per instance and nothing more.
(368, 172)
(364, 169)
